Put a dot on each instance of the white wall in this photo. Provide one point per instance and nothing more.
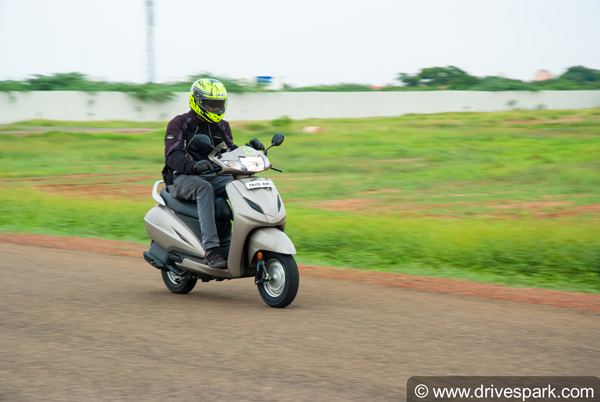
(82, 106)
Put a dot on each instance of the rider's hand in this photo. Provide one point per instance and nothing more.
(202, 167)
(256, 144)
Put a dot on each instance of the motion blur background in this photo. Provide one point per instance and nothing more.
(444, 138)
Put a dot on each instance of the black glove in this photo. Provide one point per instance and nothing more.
(203, 166)
(256, 144)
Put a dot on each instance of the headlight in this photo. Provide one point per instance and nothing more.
(253, 164)
(250, 164)
(235, 164)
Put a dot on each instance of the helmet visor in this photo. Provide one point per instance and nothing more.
(216, 106)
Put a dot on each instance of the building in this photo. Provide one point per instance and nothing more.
(542, 75)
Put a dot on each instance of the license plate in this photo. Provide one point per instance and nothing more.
(259, 183)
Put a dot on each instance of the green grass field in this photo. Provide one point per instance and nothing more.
(510, 198)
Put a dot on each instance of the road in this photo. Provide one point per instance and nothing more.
(87, 326)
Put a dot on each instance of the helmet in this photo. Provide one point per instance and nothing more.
(208, 98)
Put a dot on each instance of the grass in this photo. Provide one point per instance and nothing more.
(509, 198)
(93, 124)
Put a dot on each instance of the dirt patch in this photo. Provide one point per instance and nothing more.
(554, 121)
(32, 130)
(401, 160)
(577, 210)
(305, 177)
(556, 298)
(362, 204)
(584, 209)
(511, 209)
(533, 205)
(106, 176)
(136, 185)
(99, 190)
(381, 191)
(348, 204)
(116, 186)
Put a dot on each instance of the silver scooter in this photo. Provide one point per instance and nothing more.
(256, 246)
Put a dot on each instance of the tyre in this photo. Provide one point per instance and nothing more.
(281, 290)
(178, 284)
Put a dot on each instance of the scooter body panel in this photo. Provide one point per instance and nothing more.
(247, 217)
(269, 239)
(164, 227)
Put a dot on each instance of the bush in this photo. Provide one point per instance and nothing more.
(283, 121)
(503, 84)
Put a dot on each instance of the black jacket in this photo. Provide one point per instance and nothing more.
(180, 131)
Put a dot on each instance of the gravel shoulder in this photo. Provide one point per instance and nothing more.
(579, 301)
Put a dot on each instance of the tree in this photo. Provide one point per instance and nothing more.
(58, 82)
(435, 77)
(503, 84)
(450, 76)
(584, 76)
(408, 80)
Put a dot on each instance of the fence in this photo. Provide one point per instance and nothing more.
(100, 106)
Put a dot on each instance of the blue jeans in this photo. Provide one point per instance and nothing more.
(202, 189)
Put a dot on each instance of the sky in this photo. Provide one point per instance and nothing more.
(307, 42)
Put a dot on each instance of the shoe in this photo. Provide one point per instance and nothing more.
(214, 259)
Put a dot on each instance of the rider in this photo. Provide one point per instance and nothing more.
(191, 176)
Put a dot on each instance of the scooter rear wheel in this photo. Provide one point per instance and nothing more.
(281, 290)
(178, 284)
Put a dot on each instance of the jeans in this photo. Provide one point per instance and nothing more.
(202, 189)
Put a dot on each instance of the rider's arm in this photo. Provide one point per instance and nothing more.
(175, 155)
(228, 137)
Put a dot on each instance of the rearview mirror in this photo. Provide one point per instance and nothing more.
(277, 139)
(199, 146)
(201, 141)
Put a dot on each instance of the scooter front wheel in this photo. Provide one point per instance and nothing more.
(281, 289)
(178, 284)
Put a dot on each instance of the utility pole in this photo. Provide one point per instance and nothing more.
(150, 40)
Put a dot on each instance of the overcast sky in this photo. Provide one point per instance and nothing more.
(306, 41)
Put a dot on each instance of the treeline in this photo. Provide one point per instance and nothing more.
(434, 78)
(577, 77)
(453, 78)
(80, 82)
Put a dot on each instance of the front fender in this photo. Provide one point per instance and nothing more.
(269, 239)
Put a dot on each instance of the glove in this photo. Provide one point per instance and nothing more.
(205, 166)
(202, 167)
(256, 144)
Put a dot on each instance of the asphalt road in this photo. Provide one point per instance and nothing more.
(83, 326)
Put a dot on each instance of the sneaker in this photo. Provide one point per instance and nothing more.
(214, 259)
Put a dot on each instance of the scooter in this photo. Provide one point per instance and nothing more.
(255, 246)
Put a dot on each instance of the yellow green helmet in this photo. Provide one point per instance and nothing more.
(208, 98)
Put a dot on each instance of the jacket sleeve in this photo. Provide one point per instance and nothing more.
(228, 137)
(175, 155)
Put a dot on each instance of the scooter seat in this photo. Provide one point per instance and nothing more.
(188, 208)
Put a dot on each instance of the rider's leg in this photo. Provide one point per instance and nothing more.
(196, 188)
